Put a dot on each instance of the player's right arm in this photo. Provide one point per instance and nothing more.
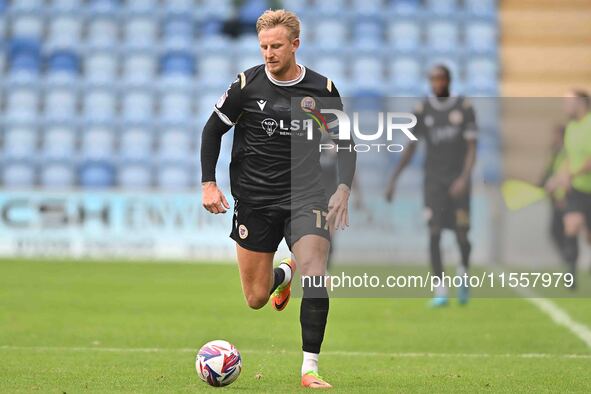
(407, 154)
(225, 115)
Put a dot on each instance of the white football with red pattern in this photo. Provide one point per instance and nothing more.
(218, 363)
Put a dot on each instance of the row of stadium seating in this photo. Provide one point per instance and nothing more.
(249, 10)
(95, 174)
(140, 32)
(111, 93)
(478, 74)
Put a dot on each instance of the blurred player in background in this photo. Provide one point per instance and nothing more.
(266, 210)
(557, 198)
(448, 127)
(575, 174)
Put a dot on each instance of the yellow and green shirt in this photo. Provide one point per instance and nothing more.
(577, 143)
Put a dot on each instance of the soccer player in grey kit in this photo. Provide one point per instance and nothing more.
(448, 126)
(275, 178)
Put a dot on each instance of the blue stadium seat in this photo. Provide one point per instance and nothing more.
(66, 6)
(297, 6)
(217, 68)
(404, 36)
(26, 64)
(134, 175)
(481, 37)
(177, 63)
(96, 174)
(405, 73)
(443, 36)
(25, 54)
(368, 101)
(98, 143)
(64, 61)
(246, 44)
(26, 6)
(139, 68)
(60, 104)
(368, 72)
(22, 104)
(372, 8)
(104, 7)
(57, 174)
(405, 7)
(136, 144)
(139, 7)
(176, 107)
(368, 35)
(369, 28)
(178, 26)
(481, 8)
(215, 44)
(65, 30)
(18, 174)
(101, 67)
(27, 25)
(211, 27)
(217, 9)
(333, 67)
(331, 34)
(141, 32)
(99, 105)
(179, 7)
(102, 33)
(137, 106)
(175, 145)
(330, 9)
(244, 63)
(250, 10)
(442, 7)
(20, 142)
(59, 142)
(174, 177)
(481, 76)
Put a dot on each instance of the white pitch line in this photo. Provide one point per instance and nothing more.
(558, 316)
(326, 353)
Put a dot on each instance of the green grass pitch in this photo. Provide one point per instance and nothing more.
(135, 327)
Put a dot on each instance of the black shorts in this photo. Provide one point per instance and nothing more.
(577, 201)
(444, 211)
(262, 229)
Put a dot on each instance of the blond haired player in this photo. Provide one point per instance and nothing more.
(268, 205)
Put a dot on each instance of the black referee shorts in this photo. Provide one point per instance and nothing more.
(261, 229)
(577, 201)
(444, 211)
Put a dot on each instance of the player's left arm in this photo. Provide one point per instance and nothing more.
(338, 204)
(460, 186)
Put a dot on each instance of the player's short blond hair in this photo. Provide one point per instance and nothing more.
(272, 18)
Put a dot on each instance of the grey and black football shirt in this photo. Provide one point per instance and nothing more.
(445, 124)
(265, 169)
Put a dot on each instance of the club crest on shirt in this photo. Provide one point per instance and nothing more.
(429, 121)
(456, 117)
(269, 125)
(242, 231)
(308, 104)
